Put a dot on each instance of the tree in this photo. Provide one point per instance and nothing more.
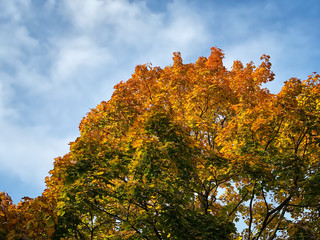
(184, 152)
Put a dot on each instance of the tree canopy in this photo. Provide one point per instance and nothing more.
(186, 152)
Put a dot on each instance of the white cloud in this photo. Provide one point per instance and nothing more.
(49, 5)
(14, 9)
(15, 41)
(75, 54)
(5, 111)
(185, 26)
(86, 15)
(132, 26)
(28, 152)
(25, 152)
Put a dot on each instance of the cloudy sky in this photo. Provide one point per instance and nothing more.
(60, 58)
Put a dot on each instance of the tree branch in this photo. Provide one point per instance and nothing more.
(250, 221)
(271, 214)
(275, 229)
(242, 199)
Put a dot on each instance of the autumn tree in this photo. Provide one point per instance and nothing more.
(187, 151)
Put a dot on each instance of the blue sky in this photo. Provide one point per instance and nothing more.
(60, 58)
